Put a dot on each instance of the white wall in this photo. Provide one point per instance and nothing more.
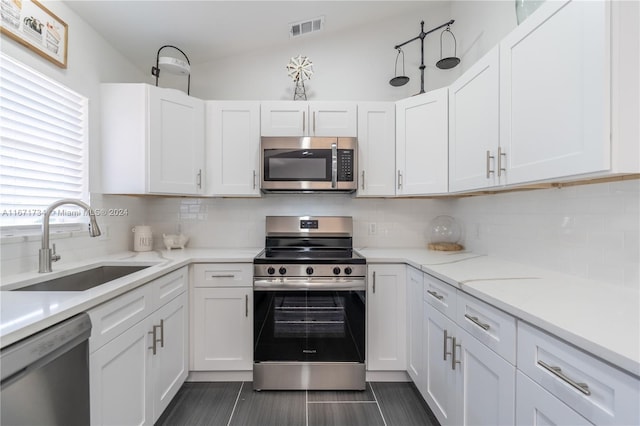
(90, 61)
(354, 65)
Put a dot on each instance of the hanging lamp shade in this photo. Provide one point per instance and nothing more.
(172, 65)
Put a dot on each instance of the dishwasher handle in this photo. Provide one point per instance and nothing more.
(32, 352)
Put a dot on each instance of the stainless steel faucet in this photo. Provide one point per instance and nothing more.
(46, 254)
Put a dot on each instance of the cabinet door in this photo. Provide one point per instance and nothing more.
(474, 126)
(176, 142)
(554, 93)
(415, 308)
(120, 377)
(376, 149)
(223, 329)
(171, 362)
(284, 118)
(536, 406)
(233, 148)
(485, 384)
(333, 119)
(421, 144)
(439, 388)
(386, 318)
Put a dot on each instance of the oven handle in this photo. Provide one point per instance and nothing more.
(308, 284)
(334, 165)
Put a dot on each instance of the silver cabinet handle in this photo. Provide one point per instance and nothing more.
(254, 179)
(399, 179)
(500, 167)
(161, 333)
(557, 371)
(199, 179)
(363, 180)
(374, 282)
(314, 122)
(489, 158)
(154, 347)
(153, 339)
(304, 121)
(444, 345)
(435, 294)
(222, 276)
(477, 322)
(246, 305)
(454, 345)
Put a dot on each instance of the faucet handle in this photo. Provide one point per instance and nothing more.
(54, 256)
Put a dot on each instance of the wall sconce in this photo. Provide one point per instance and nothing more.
(172, 65)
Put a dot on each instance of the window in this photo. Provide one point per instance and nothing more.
(43, 146)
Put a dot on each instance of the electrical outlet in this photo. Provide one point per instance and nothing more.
(373, 229)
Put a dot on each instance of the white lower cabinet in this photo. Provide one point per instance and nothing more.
(536, 406)
(386, 318)
(222, 317)
(600, 393)
(465, 381)
(135, 374)
(415, 311)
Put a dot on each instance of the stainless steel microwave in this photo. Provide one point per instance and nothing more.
(308, 164)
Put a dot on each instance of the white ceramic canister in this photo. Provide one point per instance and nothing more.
(142, 238)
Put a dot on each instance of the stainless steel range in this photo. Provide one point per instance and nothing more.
(309, 306)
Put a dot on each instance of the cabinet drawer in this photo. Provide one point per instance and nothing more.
(118, 315)
(599, 392)
(169, 286)
(494, 328)
(536, 406)
(223, 275)
(440, 295)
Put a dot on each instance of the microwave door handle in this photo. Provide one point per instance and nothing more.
(334, 165)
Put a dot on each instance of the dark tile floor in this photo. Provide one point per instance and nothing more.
(235, 403)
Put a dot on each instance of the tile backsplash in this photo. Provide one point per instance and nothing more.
(591, 231)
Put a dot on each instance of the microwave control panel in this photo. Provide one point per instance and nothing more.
(345, 165)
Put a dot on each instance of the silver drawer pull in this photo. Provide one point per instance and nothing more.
(557, 371)
(477, 322)
(222, 276)
(435, 294)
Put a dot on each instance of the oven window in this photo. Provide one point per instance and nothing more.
(309, 326)
(297, 165)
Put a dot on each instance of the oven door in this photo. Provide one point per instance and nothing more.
(313, 321)
(307, 164)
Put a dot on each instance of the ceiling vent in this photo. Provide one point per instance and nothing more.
(309, 26)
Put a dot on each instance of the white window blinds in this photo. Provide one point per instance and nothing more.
(43, 139)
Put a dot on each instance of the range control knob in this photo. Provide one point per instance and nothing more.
(271, 270)
(309, 270)
(336, 270)
(282, 270)
(348, 270)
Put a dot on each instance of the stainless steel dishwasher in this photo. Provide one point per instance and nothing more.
(45, 377)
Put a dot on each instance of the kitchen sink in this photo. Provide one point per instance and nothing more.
(84, 280)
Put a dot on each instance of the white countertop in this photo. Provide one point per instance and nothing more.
(602, 319)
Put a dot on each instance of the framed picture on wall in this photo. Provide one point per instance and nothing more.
(31, 24)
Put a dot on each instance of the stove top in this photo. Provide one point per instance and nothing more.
(309, 246)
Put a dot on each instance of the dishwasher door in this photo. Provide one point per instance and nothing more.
(45, 377)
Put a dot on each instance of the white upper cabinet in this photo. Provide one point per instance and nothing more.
(152, 140)
(422, 144)
(474, 126)
(555, 92)
(376, 149)
(233, 148)
(301, 118)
